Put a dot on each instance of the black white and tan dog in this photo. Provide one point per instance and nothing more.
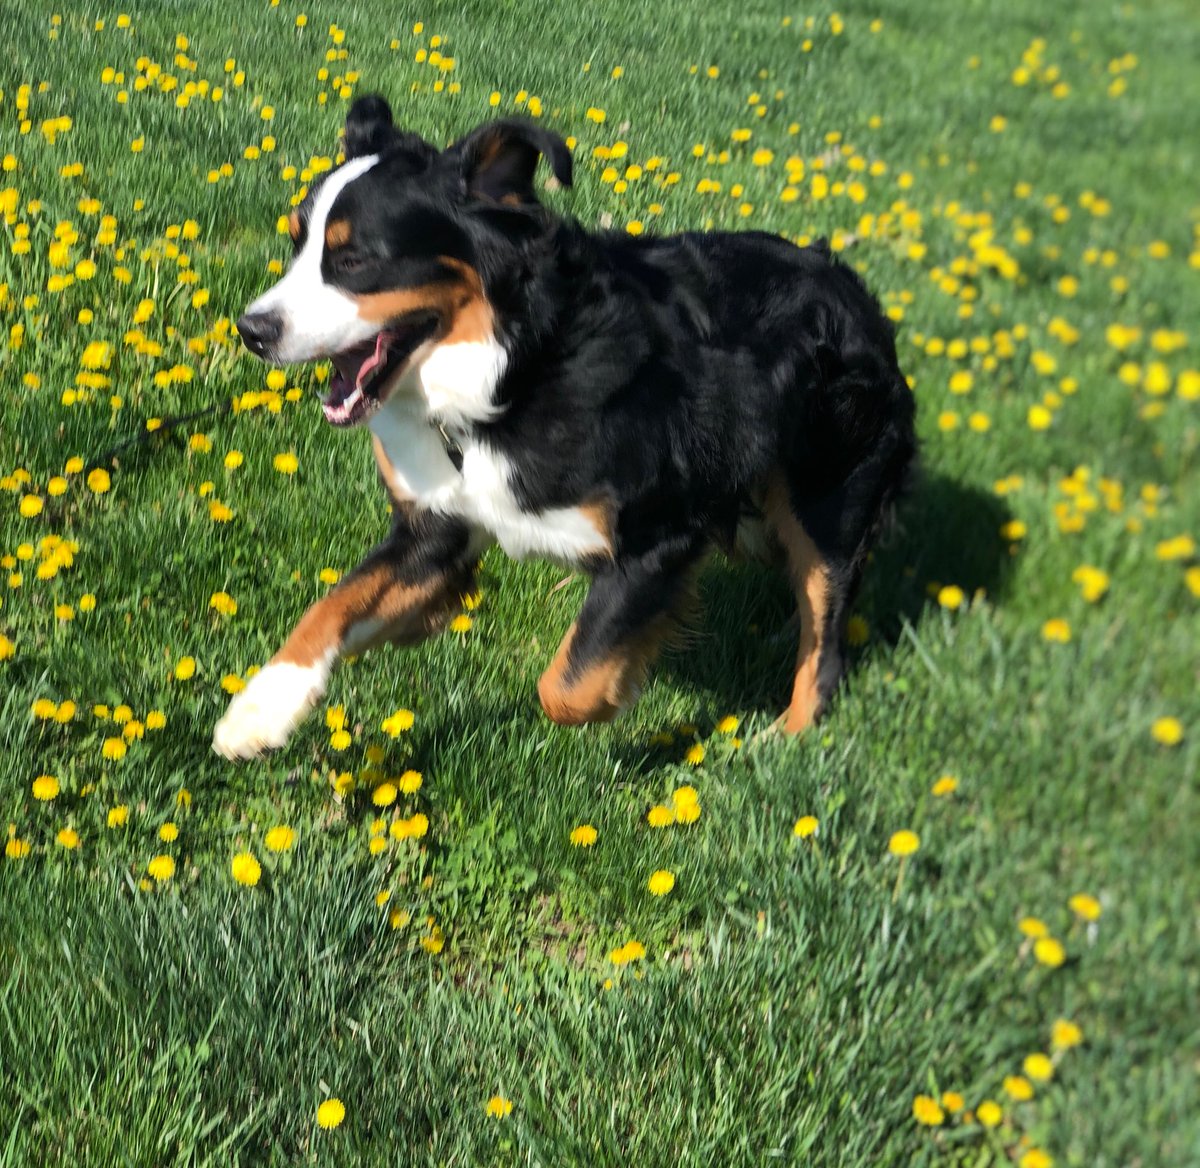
(621, 405)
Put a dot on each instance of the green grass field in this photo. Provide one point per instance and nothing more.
(1019, 184)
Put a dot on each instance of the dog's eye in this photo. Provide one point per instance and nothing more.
(350, 263)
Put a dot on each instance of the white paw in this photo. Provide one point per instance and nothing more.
(263, 716)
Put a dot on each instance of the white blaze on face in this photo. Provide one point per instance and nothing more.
(318, 319)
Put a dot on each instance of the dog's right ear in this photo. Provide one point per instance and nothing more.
(370, 130)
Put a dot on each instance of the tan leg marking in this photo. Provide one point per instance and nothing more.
(603, 688)
(367, 608)
(810, 579)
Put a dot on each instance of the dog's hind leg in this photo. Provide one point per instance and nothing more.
(404, 591)
(823, 589)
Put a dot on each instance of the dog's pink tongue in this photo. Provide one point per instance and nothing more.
(371, 362)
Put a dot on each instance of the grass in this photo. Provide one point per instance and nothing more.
(796, 995)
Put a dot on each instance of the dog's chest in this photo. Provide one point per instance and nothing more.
(413, 458)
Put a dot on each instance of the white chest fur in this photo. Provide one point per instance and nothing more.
(419, 469)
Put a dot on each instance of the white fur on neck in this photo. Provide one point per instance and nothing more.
(459, 381)
(481, 493)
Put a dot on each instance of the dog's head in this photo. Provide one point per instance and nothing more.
(385, 265)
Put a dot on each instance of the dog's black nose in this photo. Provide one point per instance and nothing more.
(259, 331)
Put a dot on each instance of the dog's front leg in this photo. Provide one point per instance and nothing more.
(631, 608)
(404, 591)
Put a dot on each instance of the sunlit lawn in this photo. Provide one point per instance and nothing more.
(955, 924)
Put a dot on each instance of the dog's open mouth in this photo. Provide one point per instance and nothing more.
(361, 373)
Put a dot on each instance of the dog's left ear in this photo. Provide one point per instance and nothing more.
(498, 159)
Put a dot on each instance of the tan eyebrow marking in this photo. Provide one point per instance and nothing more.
(337, 233)
(294, 225)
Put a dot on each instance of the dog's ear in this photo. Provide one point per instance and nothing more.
(369, 127)
(370, 130)
(498, 159)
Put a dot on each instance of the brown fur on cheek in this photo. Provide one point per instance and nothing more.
(293, 225)
(460, 304)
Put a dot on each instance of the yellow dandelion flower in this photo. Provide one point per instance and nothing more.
(695, 754)
(1049, 952)
(286, 463)
(118, 816)
(805, 826)
(1065, 1034)
(435, 942)
(584, 836)
(1179, 547)
(98, 481)
(1018, 1088)
(1033, 928)
(162, 868)
(660, 816)
(398, 722)
(1085, 906)
(1167, 731)
(1057, 631)
(384, 795)
(946, 785)
(331, 1113)
(410, 782)
(953, 1102)
(45, 788)
(245, 869)
(497, 1107)
(461, 623)
(926, 1110)
(1038, 1067)
(951, 596)
(185, 668)
(904, 843)
(114, 749)
(68, 838)
(661, 882)
(280, 838)
(168, 833)
(1035, 1158)
(989, 1113)
(630, 951)
(223, 603)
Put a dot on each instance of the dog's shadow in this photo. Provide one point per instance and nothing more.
(741, 653)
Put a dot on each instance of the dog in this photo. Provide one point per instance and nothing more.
(621, 405)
